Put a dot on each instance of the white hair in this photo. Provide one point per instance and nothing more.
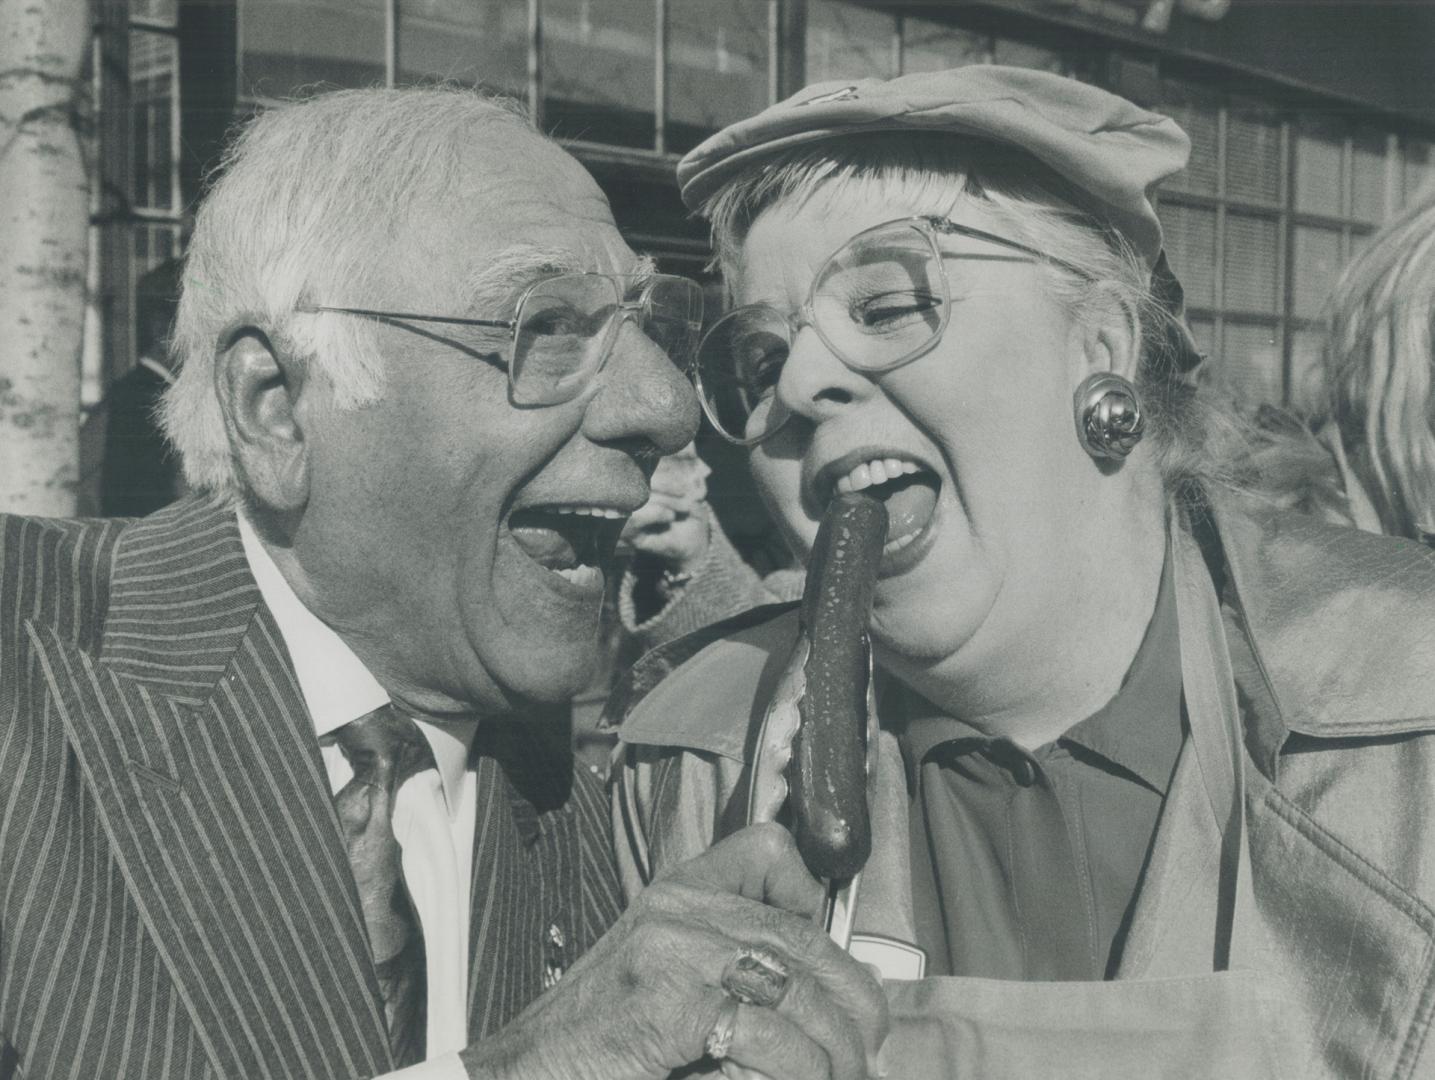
(308, 198)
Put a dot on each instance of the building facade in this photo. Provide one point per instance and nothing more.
(1311, 122)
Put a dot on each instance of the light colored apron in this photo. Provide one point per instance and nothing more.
(1181, 1006)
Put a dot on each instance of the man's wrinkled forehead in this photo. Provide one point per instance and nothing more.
(523, 190)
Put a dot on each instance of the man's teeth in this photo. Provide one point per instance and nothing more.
(587, 577)
(876, 471)
(588, 511)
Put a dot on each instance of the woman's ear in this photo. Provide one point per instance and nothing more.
(1111, 336)
(259, 392)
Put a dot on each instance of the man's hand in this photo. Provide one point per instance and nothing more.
(642, 1002)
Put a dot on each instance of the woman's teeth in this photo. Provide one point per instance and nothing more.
(908, 490)
(876, 471)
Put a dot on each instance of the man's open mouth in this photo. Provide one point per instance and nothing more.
(574, 541)
(908, 488)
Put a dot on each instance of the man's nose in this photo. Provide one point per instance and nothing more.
(643, 395)
(815, 383)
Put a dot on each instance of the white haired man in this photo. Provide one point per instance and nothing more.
(277, 793)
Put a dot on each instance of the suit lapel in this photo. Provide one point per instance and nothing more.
(191, 733)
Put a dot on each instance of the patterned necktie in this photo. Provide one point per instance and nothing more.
(384, 749)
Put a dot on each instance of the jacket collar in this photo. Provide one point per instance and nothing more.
(186, 558)
(1340, 624)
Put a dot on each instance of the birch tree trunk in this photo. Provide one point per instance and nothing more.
(44, 218)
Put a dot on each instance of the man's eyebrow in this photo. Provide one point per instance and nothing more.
(495, 280)
(501, 276)
(642, 271)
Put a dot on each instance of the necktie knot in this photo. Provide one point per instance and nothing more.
(384, 748)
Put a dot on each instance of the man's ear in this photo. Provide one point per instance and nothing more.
(259, 394)
(1110, 338)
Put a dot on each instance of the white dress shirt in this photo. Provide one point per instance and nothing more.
(434, 811)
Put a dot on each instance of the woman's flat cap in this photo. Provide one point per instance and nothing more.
(1114, 152)
(1105, 146)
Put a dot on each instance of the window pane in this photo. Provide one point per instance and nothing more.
(167, 10)
(1250, 364)
(846, 41)
(1308, 389)
(1253, 157)
(1196, 113)
(1419, 167)
(717, 66)
(288, 45)
(1020, 54)
(473, 42)
(930, 46)
(1317, 263)
(598, 71)
(154, 65)
(1317, 172)
(1368, 181)
(1190, 237)
(1251, 261)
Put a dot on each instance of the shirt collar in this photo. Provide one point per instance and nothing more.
(1139, 729)
(336, 685)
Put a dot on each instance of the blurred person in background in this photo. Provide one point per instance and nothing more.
(1152, 790)
(139, 472)
(1378, 420)
(684, 571)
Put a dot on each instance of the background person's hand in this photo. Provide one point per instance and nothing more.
(642, 1002)
(672, 527)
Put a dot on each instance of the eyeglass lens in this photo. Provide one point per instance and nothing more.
(879, 300)
(566, 325)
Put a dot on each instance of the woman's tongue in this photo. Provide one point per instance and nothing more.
(910, 502)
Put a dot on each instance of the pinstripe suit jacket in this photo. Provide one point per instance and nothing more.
(175, 899)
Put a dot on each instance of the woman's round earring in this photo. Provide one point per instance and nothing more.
(1108, 416)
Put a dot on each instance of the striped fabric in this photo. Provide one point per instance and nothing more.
(175, 900)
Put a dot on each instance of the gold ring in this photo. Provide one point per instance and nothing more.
(756, 976)
(719, 1040)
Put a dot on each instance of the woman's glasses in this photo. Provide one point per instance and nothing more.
(878, 302)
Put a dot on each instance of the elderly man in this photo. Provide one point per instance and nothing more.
(278, 797)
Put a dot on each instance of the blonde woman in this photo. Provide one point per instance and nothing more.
(1379, 417)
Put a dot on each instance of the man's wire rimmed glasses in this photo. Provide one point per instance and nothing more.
(880, 301)
(563, 328)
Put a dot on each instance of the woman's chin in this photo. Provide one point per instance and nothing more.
(920, 637)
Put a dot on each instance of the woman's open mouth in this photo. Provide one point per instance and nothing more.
(909, 490)
(575, 542)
